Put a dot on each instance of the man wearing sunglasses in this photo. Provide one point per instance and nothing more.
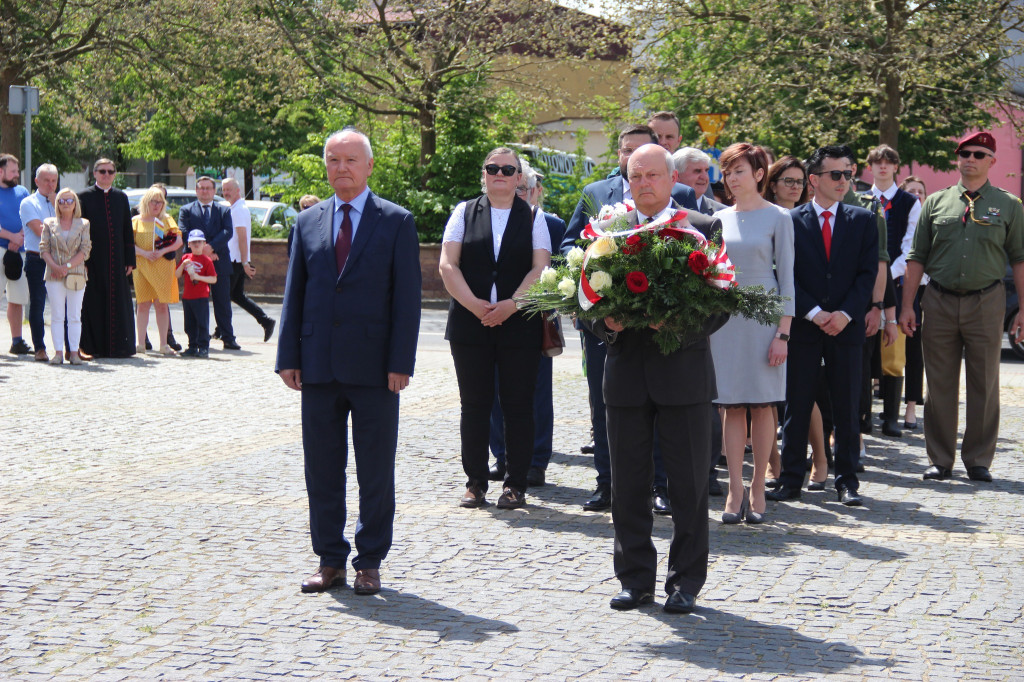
(108, 318)
(595, 195)
(964, 237)
(835, 265)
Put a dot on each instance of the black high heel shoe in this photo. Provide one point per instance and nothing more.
(730, 518)
(751, 516)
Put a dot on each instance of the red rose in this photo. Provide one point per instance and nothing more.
(636, 282)
(633, 245)
(698, 262)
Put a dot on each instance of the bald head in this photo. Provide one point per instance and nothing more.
(651, 175)
(231, 190)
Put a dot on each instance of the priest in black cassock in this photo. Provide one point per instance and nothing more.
(108, 322)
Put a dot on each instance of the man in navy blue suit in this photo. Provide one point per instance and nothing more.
(596, 195)
(349, 326)
(835, 265)
(215, 222)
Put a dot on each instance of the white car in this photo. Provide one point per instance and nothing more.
(271, 218)
(176, 198)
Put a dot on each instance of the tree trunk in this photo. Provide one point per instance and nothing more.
(428, 142)
(889, 111)
(10, 125)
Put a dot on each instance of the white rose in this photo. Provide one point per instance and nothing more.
(548, 277)
(605, 246)
(600, 280)
(566, 287)
(575, 257)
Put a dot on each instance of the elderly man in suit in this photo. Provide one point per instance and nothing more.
(835, 264)
(215, 222)
(349, 327)
(692, 168)
(595, 195)
(643, 387)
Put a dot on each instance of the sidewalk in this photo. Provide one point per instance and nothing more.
(153, 523)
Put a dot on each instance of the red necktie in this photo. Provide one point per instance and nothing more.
(826, 233)
(344, 242)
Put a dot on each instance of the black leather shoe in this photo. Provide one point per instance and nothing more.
(172, 343)
(587, 449)
(783, 492)
(910, 426)
(630, 598)
(601, 500)
(149, 346)
(714, 487)
(816, 486)
(19, 347)
(203, 353)
(865, 425)
(659, 501)
(979, 474)
(849, 497)
(535, 477)
(680, 602)
(190, 353)
(771, 483)
(268, 329)
(231, 345)
(937, 473)
(496, 472)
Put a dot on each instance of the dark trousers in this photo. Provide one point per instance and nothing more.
(595, 352)
(869, 352)
(35, 270)
(684, 431)
(543, 419)
(220, 294)
(913, 373)
(325, 414)
(238, 296)
(197, 321)
(516, 369)
(842, 376)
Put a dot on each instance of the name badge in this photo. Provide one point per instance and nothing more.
(993, 212)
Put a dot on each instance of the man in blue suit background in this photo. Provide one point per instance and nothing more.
(349, 327)
(596, 195)
(215, 222)
(835, 265)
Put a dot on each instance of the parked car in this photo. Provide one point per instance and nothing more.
(1012, 306)
(176, 198)
(271, 218)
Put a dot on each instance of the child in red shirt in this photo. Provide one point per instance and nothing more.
(196, 299)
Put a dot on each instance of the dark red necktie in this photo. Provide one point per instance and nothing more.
(344, 243)
(826, 233)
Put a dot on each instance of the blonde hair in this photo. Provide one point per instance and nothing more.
(153, 192)
(78, 204)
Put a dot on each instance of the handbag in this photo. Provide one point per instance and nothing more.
(74, 282)
(166, 241)
(12, 264)
(552, 341)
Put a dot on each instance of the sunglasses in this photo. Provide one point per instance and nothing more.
(837, 175)
(978, 155)
(105, 171)
(65, 202)
(507, 171)
(792, 182)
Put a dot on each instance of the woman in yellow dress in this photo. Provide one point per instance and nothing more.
(154, 274)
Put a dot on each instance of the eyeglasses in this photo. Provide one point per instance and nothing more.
(65, 202)
(522, 190)
(507, 171)
(105, 171)
(837, 175)
(792, 182)
(978, 155)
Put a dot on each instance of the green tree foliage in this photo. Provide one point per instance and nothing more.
(794, 75)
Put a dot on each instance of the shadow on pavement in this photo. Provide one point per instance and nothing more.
(410, 612)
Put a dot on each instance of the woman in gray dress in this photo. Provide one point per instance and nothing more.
(750, 358)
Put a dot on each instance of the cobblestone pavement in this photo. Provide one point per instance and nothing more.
(153, 524)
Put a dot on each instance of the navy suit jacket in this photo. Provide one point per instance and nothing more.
(218, 232)
(598, 194)
(843, 282)
(556, 230)
(355, 327)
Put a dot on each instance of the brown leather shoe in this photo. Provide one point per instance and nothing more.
(367, 581)
(324, 579)
(511, 499)
(473, 498)
(82, 355)
(41, 356)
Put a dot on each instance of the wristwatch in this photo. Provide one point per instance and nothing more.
(781, 336)
(878, 304)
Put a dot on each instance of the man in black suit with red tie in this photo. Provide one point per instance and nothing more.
(349, 327)
(835, 264)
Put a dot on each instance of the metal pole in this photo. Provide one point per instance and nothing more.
(28, 148)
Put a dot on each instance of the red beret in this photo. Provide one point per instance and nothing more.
(980, 140)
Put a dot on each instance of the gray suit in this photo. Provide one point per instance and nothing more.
(708, 206)
(642, 388)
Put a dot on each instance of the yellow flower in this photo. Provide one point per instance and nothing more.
(605, 246)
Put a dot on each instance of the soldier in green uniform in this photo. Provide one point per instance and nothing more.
(963, 239)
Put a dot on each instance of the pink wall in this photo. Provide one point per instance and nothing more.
(1005, 173)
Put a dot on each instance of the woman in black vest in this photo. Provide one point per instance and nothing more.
(493, 247)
